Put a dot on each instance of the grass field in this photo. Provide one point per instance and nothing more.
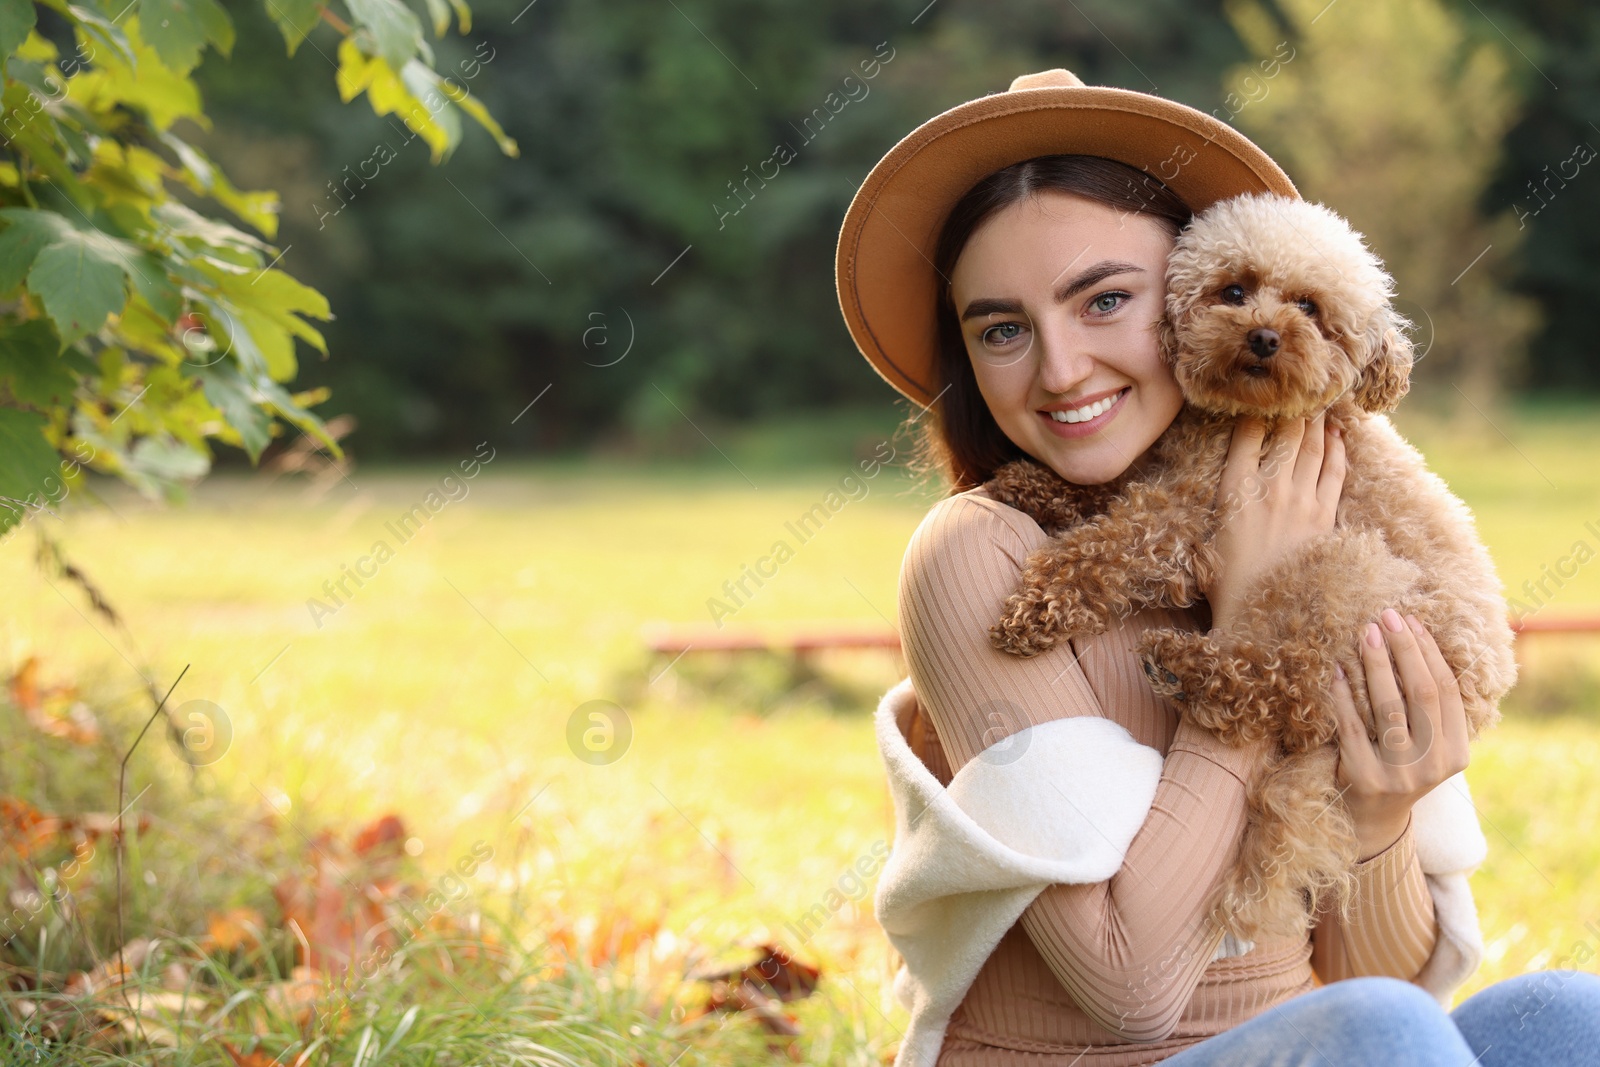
(443, 687)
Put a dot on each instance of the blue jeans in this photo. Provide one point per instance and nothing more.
(1540, 1018)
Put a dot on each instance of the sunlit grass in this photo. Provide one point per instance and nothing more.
(443, 687)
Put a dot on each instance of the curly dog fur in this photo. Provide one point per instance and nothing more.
(1299, 272)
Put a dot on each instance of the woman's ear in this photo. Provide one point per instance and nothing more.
(1387, 375)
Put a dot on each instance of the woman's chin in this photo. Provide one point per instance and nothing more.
(1086, 466)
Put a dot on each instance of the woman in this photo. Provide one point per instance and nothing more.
(1003, 267)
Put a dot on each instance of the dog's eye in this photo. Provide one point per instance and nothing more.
(1232, 294)
(1307, 305)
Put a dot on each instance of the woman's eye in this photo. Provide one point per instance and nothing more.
(1233, 294)
(1307, 305)
(999, 335)
(1107, 302)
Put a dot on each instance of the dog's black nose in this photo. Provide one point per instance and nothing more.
(1262, 341)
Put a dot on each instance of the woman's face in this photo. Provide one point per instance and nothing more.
(1059, 298)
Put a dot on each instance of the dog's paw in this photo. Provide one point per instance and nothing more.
(1021, 637)
(1162, 681)
(1159, 651)
(1033, 624)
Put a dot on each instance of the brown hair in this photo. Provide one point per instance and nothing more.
(959, 438)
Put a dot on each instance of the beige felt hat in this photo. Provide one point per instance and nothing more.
(888, 288)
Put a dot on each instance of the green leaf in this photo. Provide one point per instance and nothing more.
(27, 463)
(17, 18)
(28, 127)
(166, 460)
(31, 364)
(183, 221)
(296, 19)
(274, 342)
(284, 404)
(101, 30)
(360, 73)
(26, 234)
(79, 286)
(395, 29)
(232, 396)
(178, 30)
(439, 11)
(149, 277)
(420, 79)
(146, 82)
(259, 209)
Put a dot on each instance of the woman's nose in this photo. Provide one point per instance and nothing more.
(1063, 364)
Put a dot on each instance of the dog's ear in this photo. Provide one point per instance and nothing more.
(1167, 341)
(1387, 374)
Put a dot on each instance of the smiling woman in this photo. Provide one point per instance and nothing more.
(1062, 336)
(1004, 267)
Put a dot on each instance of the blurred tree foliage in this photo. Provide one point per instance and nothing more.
(462, 294)
(137, 324)
(1394, 116)
(1555, 58)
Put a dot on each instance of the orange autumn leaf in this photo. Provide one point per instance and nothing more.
(231, 929)
(384, 835)
(25, 829)
(54, 710)
(249, 1059)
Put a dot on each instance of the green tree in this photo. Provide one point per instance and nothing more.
(138, 326)
(1394, 116)
(464, 294)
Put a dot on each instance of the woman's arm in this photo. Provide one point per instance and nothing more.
(1129, 950)
(1392, 929)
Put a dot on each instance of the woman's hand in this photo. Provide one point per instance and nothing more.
(1268, 505)
(1422, 730)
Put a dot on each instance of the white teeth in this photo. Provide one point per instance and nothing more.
(1084, 414)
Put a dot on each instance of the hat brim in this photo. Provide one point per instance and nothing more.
(888, 288)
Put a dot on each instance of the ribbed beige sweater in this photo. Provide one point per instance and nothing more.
(1120, 972)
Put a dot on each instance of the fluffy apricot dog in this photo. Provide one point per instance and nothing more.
(1276, 308)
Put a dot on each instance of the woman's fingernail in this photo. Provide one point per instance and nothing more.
(1338, 670)
(1416, 624)
(1391, 619)
(1337, 432)
(1374, 635)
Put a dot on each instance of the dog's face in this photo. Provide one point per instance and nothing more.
(1275, 307)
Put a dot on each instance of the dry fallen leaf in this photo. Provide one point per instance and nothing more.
(296, 996)
(250, 1059)
(55, 711)
(232, 929)
(25, 829)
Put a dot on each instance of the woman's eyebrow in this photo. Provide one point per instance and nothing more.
(1073, 286)
(1090, 275)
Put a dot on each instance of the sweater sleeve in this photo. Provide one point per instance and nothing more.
(1129, 950)
(1392, 929)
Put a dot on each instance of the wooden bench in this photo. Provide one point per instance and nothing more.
(669, 641)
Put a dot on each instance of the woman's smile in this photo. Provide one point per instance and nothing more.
(1086, 416)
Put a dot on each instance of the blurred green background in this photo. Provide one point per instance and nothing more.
(1443, 130)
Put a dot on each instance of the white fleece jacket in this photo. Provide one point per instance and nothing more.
(1061, 802)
